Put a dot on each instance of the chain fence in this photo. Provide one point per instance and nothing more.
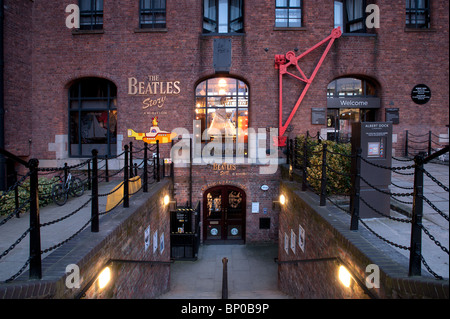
(330, 171)
(38, 186)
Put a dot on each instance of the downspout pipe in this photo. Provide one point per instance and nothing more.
(2, 105)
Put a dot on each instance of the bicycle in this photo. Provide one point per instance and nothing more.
(61, 191)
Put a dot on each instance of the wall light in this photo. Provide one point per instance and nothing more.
(344, 276)
(282, 199)
(104, 278)
(166, 200)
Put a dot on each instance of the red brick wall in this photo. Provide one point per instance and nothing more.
(18, 74)
(43, 57)
(244, 177)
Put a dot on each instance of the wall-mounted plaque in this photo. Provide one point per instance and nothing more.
(392, 115)
(318, 115)
(421, 94)
(222, 55)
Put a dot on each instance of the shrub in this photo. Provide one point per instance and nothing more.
(338, 159)
(7, 200)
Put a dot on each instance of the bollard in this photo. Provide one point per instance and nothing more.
(415, 260)
(323, 182)
(94, 203)
(225, 278)
(35, 232)
(126, 199)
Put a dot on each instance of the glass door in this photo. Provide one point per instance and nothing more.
(224, 213)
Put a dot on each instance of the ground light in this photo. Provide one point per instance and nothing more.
(104, 278)
(344, 276)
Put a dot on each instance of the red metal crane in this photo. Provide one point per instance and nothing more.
(282, 62)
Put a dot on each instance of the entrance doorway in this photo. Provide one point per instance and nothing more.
(224, 215)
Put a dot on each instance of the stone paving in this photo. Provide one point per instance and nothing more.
(438, 226)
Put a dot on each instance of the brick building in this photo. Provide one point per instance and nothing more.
(201, 66)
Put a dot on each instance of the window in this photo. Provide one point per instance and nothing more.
(288, 13)
(152, 14)
(222, 107)
(223, 16)
(350, 15)
(92, 117)
(418, 14)
(350, 87)
(91, 14)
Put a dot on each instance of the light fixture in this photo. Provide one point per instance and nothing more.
(104, 278)
(166, 200)
(222, 83)
(344, 276)
(282, 199)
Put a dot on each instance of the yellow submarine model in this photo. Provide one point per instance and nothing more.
(154, 135)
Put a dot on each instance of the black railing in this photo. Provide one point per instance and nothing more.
(35, 198)
(320, 174)
(419, 143)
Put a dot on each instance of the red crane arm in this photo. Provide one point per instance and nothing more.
(281, 63)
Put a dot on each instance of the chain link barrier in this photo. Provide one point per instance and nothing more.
(151, 179)
(303, 163)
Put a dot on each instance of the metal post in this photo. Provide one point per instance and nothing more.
(131, 159)
(356, 172)
(305, 164)
(126, 199)
(16, 195)
(106, 169)
(323, 182)
(288, 151)
(415, 267)
(89, 175)
(429, 143)
(94, 203)
(225, 278)
(145, 181)
(406, 143)
(158, 177)
(190, 172)
(35, 233)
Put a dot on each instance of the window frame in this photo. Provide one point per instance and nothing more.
(413, 13)
(348, 23)
(364, 86)
(215, 22)
(151, 12)
(237, 107)
(93, 14)
(77, 111)
(288, 8)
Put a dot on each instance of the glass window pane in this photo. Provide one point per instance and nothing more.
(282, 3)
(338, 14)
(294, 3)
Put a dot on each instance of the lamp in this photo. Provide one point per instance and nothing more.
(104, 278)
(281, 201)
(166, 200)
(344, 276)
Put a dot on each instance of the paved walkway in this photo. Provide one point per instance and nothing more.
(252, 273)
(438, 226)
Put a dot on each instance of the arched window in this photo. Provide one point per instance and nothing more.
(222, 106)
(92, 117)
